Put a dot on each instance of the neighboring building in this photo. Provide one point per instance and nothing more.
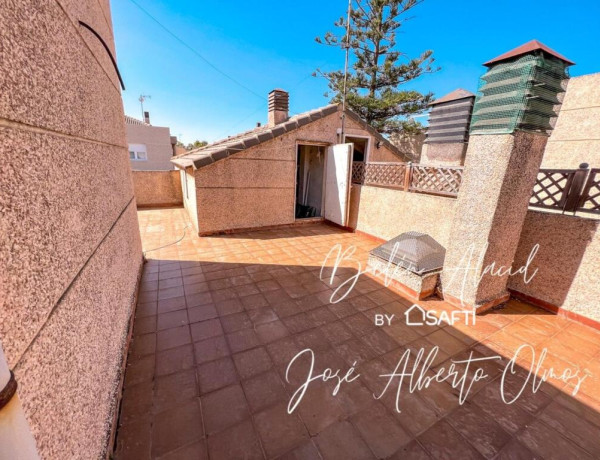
(70, 250)
(150, 147)
(290, 169)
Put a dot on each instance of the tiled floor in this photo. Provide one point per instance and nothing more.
(219, 319)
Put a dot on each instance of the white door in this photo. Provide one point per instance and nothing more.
(338, 165)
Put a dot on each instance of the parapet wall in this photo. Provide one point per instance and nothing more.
(386, 213)
(568, 275)
(154, 189)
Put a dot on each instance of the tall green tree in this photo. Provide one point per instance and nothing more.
(379, 68)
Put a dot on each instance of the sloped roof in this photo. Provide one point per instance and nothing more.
(134, 121)
(453, 96)
(223, 148)
(528, 47)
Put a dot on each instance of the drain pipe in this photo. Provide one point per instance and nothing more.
(16, 440)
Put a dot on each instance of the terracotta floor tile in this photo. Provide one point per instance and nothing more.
(244, 293)
(442, 441)
(206, 329)
(229, 307)
(172, 304)
(487, 436)
(252, 362)
(202, 313)
(570, 425)
(172, 319)
(211, 349)
(172, 338)
(297, 323)
(140, 370)
(239, 441)
(236, 322)
(142, 345)
(382, 433)
(269, 332)
(173, 389)
(136, 402)
(176, 427)
(242, 340)
(224, 408)
(342, 440)
(264, 390)
(279, 431)
(305, 451)
(543, 440)
(196, 450)
(216, 374)
(134, 441)
(174, 360)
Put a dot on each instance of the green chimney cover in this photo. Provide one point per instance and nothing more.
(522, 94)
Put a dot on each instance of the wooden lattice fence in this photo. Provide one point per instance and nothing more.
(436, 180)
(415, 178)
(567, 190)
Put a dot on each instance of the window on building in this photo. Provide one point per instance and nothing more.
(137, 152)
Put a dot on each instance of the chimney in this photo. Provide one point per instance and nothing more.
(278, 107)
(147, 117)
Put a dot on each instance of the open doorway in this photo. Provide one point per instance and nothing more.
(309, 181)
(361, 147)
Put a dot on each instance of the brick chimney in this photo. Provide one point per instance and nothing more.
(278, 107)
(147, 117)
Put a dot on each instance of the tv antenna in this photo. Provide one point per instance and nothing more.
(346, 45)
(142, 98)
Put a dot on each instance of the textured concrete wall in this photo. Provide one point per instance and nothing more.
(70, 250)
(576, 136)
(568, 275)
(410, 145)
(158, 147)
(500, 171)
(444, 154)
(157, 188)
(386, 213)
(256, 187)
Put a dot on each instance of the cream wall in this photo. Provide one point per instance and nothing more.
(386, 213)
(568, 275)
(158, 147)
(576, 136)
(70, 250)
(157, 188)
(256, 187)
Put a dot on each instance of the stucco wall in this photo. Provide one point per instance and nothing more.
(386, 213)
(256, 187)
(70, 250)
(158, 147)
(157, 188)
(576, 136)
(568, 275)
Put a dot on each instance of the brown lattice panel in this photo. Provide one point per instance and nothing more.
(437, 180)
(551, 188)
(385, 174)
(590, 199)
(358, 172)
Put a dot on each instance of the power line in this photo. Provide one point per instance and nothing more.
(193, 50)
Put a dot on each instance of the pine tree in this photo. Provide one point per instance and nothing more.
(379, 68)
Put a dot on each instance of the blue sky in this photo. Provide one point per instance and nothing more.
(270, 44)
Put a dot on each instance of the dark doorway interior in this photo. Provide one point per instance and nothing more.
(360, 147)
(309, 181)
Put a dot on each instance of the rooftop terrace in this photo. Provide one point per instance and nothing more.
(219, 318)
